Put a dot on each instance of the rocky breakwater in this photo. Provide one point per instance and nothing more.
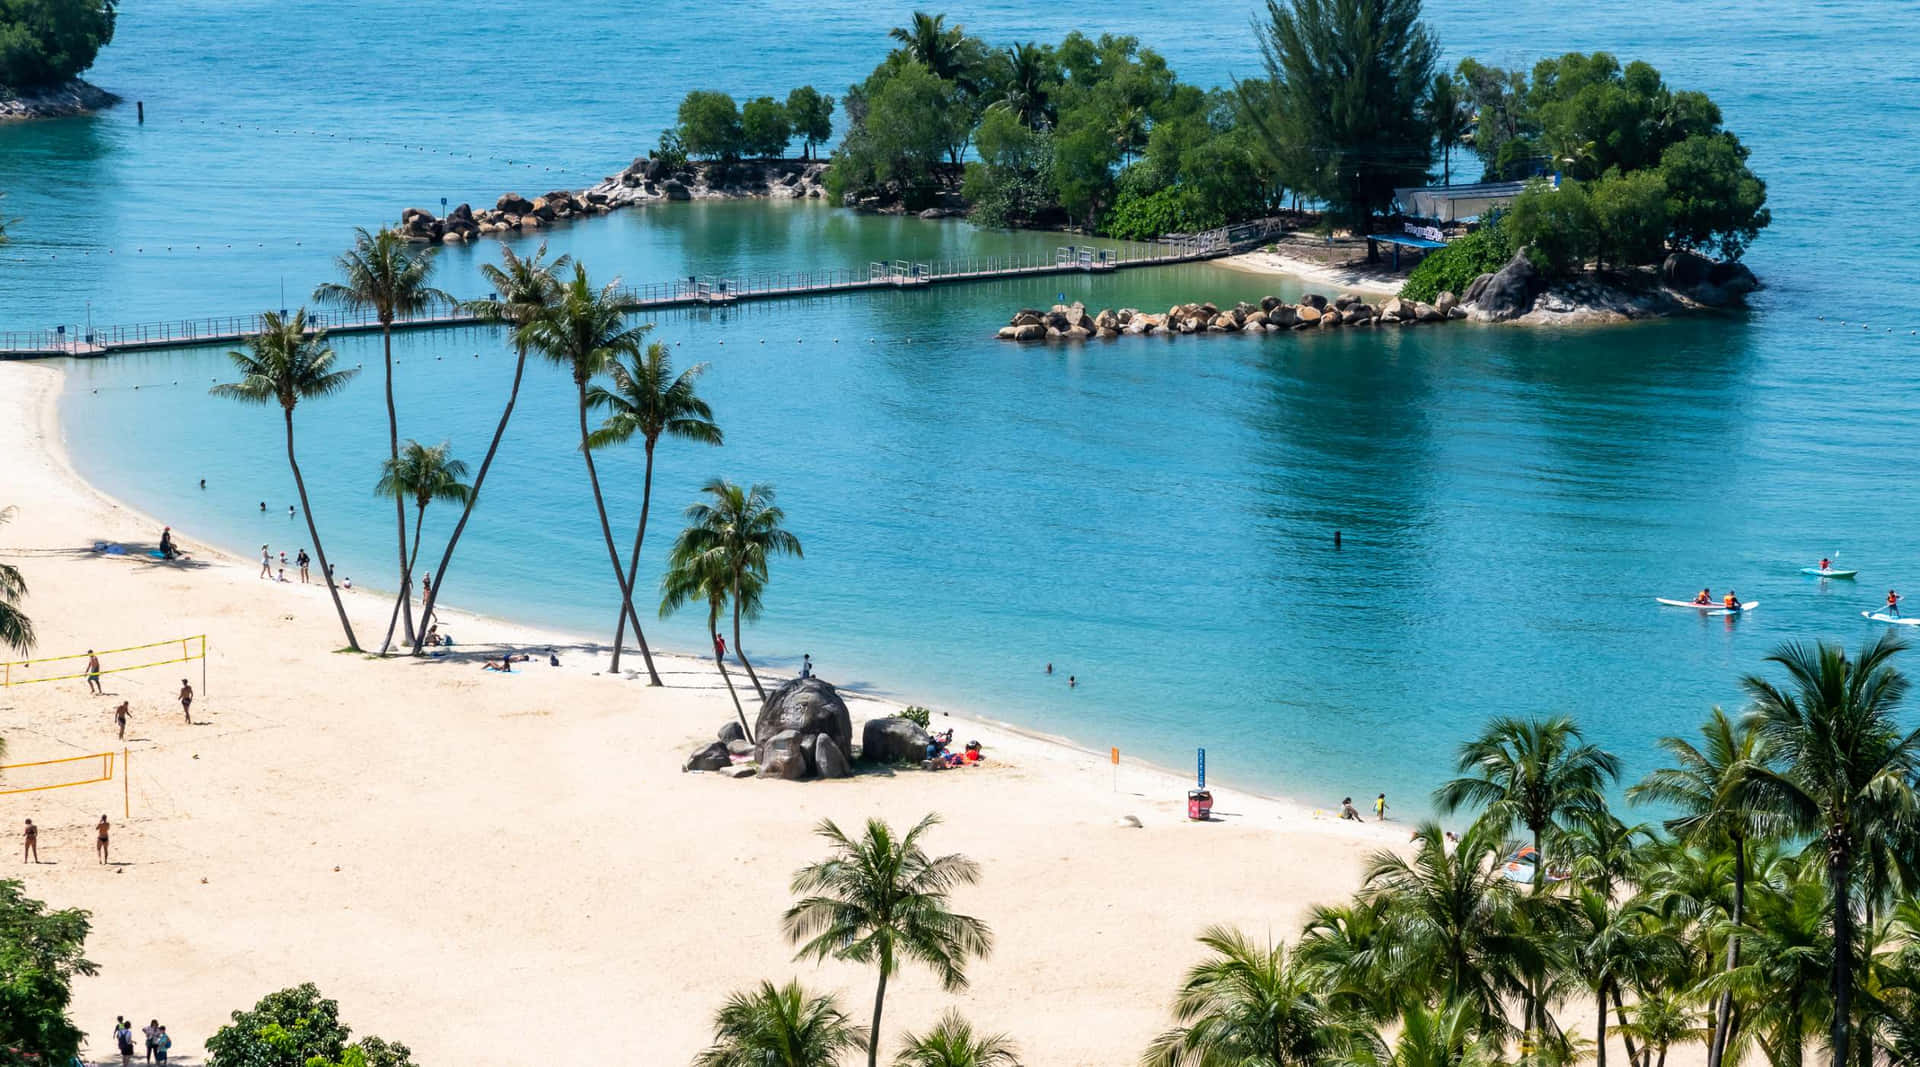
(1072, 322)
(1520, 293)
(644, 181)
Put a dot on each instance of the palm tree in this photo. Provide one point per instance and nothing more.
(1350, 949)
(16, 630)
(693, 575)
(381, 273)
(1454, 921)
(523, 289)
(1782, 979)
(780, 1027)
(284, 364)
(1450, 116)
(1247, 1005)
(1614, 945)
(1659, 1022)
(1845, 773)
(743, 528)
(1028, 78)
(954, 1043)
(1712, 788)
(1444, 1035)
(942, 48)
(647, 401)
(422, 475)
(585, 331)
(882, 900)
(1536, 773)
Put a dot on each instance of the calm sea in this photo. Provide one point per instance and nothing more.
(1155, 518)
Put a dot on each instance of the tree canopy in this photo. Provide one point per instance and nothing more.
(40, 952)
(47, 42)
(298, 1027)
(710, 125)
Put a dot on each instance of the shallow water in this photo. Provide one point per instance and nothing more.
(1154, 517)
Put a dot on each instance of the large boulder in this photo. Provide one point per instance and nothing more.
(1511, 291)
(513, 204)
(808, 706)
(784, 755)
(676, 190)
(1030, 332)
(1707, 282)
(711, 758)
(892, 740)
(829, 759)
(1314, 301)
(1445, 303)
(1475, 287)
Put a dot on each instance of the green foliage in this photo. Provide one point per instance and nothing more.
(1012, 183)
(1247, 1004)
(917, 715)
(765, 128)
(298, 1027)
(811, 113)
(953, 1042)
(1714, 202)
(710, 125)
(1630, 216)
(1594, 115)
(47, 42)
(780, 1027)
(1450, 117)
(905, 120)
(1345, 79)
(1497, 101)
(16, 630)
(1453, 268)
(40, 952)
(1556, 226)
(1169, 209)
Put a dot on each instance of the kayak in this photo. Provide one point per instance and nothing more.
(1896, 620)
(1713, 607)
(1818, 573)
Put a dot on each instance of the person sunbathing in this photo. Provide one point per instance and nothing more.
(505, 663)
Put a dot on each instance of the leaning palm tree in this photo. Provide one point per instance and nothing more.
(381, 273)
(523, 288)
(1712, 788)
(284, 364)
(1843, 774)
(780, 1027)
(953, 1042)
(16, 630)
(743, 528)
(1536, 773)
(423, 475)
(882, 900)
(648, 401)
(1247, 1004)
(693, 575)
(585, 331)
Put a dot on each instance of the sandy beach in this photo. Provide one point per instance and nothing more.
(1341, 277)
(480, 865)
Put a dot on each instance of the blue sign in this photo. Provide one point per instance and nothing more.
(1203, 768)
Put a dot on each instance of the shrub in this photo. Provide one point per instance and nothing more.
(46, 42)
(1171, 209)
(917, 715)
(1453, 268)
(298, 1027)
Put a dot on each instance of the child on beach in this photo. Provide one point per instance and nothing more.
(1347, 811)
(1380, 808)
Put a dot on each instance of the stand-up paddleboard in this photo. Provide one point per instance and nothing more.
(1818, 573)
(1716, 607)
(1896, 620)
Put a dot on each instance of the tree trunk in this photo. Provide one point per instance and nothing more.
(633, 570)
(1600, 1033)
(879, 1000)
(313, 531)
(600, 507)
(1840, 880)
(1723, 1011)
(739, 649)
(406, 581)
(1626, 1039)
(473, 497)
(393, 450)
(713, 632)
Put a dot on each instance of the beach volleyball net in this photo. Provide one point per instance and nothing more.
(41, 775)
(112, 661)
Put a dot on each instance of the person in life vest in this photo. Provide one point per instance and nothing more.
(1704, 596)
(1893, 603)
(1732, 602)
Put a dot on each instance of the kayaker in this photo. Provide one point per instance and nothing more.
(1826, 564)
(1732, 602)
(1704, 596)
(1893, 603)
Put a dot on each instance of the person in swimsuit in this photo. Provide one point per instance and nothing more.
(186, 700)
(32, 838)
(100, 845)
(120, 717)
(93, 674)
(303, 559)
(266, 562)
(1347, 811)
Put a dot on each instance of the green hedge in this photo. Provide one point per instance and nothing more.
(1453, 268)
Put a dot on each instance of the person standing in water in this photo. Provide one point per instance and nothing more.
(1380, 808)
(1893, 603)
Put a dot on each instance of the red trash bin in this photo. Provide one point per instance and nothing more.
(1199, 805)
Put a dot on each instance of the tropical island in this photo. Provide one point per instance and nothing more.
(45, 45)
(1608, 192)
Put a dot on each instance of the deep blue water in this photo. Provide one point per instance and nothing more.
(1154, 517)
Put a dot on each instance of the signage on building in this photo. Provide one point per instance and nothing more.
(1430, 233)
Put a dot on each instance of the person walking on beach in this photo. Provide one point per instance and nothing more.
(266, 562)
(100, 846)
(93, 674)
(120, 717)
(152, 1032)
(32, 844)
(303, 559)
(186, 700)
(1380, 808)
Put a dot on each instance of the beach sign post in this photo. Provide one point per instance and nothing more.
(1203, 769)
(1199, 801)
(1116, 768)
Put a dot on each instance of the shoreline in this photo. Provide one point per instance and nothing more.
(67, 100)
(372, 824)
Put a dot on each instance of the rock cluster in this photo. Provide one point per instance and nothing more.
(803, 731)
(645, 180)
(1072, 322)
(1518, 292)
(76, 97)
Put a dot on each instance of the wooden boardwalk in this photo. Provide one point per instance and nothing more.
(691, 292)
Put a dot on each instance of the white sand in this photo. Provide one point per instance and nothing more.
(494, 868)
(1343, 278)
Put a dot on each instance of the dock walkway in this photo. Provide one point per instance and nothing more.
(691, 292)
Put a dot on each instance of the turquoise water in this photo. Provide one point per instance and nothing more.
(1152, 516)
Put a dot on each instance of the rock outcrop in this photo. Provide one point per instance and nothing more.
(76, 97)
(1507, 293)
(1685, 282)
(1071, 322)
(893, 740)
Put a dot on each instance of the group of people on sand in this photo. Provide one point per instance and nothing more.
(1349, 813)
(301, 560)
(123, 713)
(158, 1043)
(939, 756)
(504, 665)
(30, 841)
